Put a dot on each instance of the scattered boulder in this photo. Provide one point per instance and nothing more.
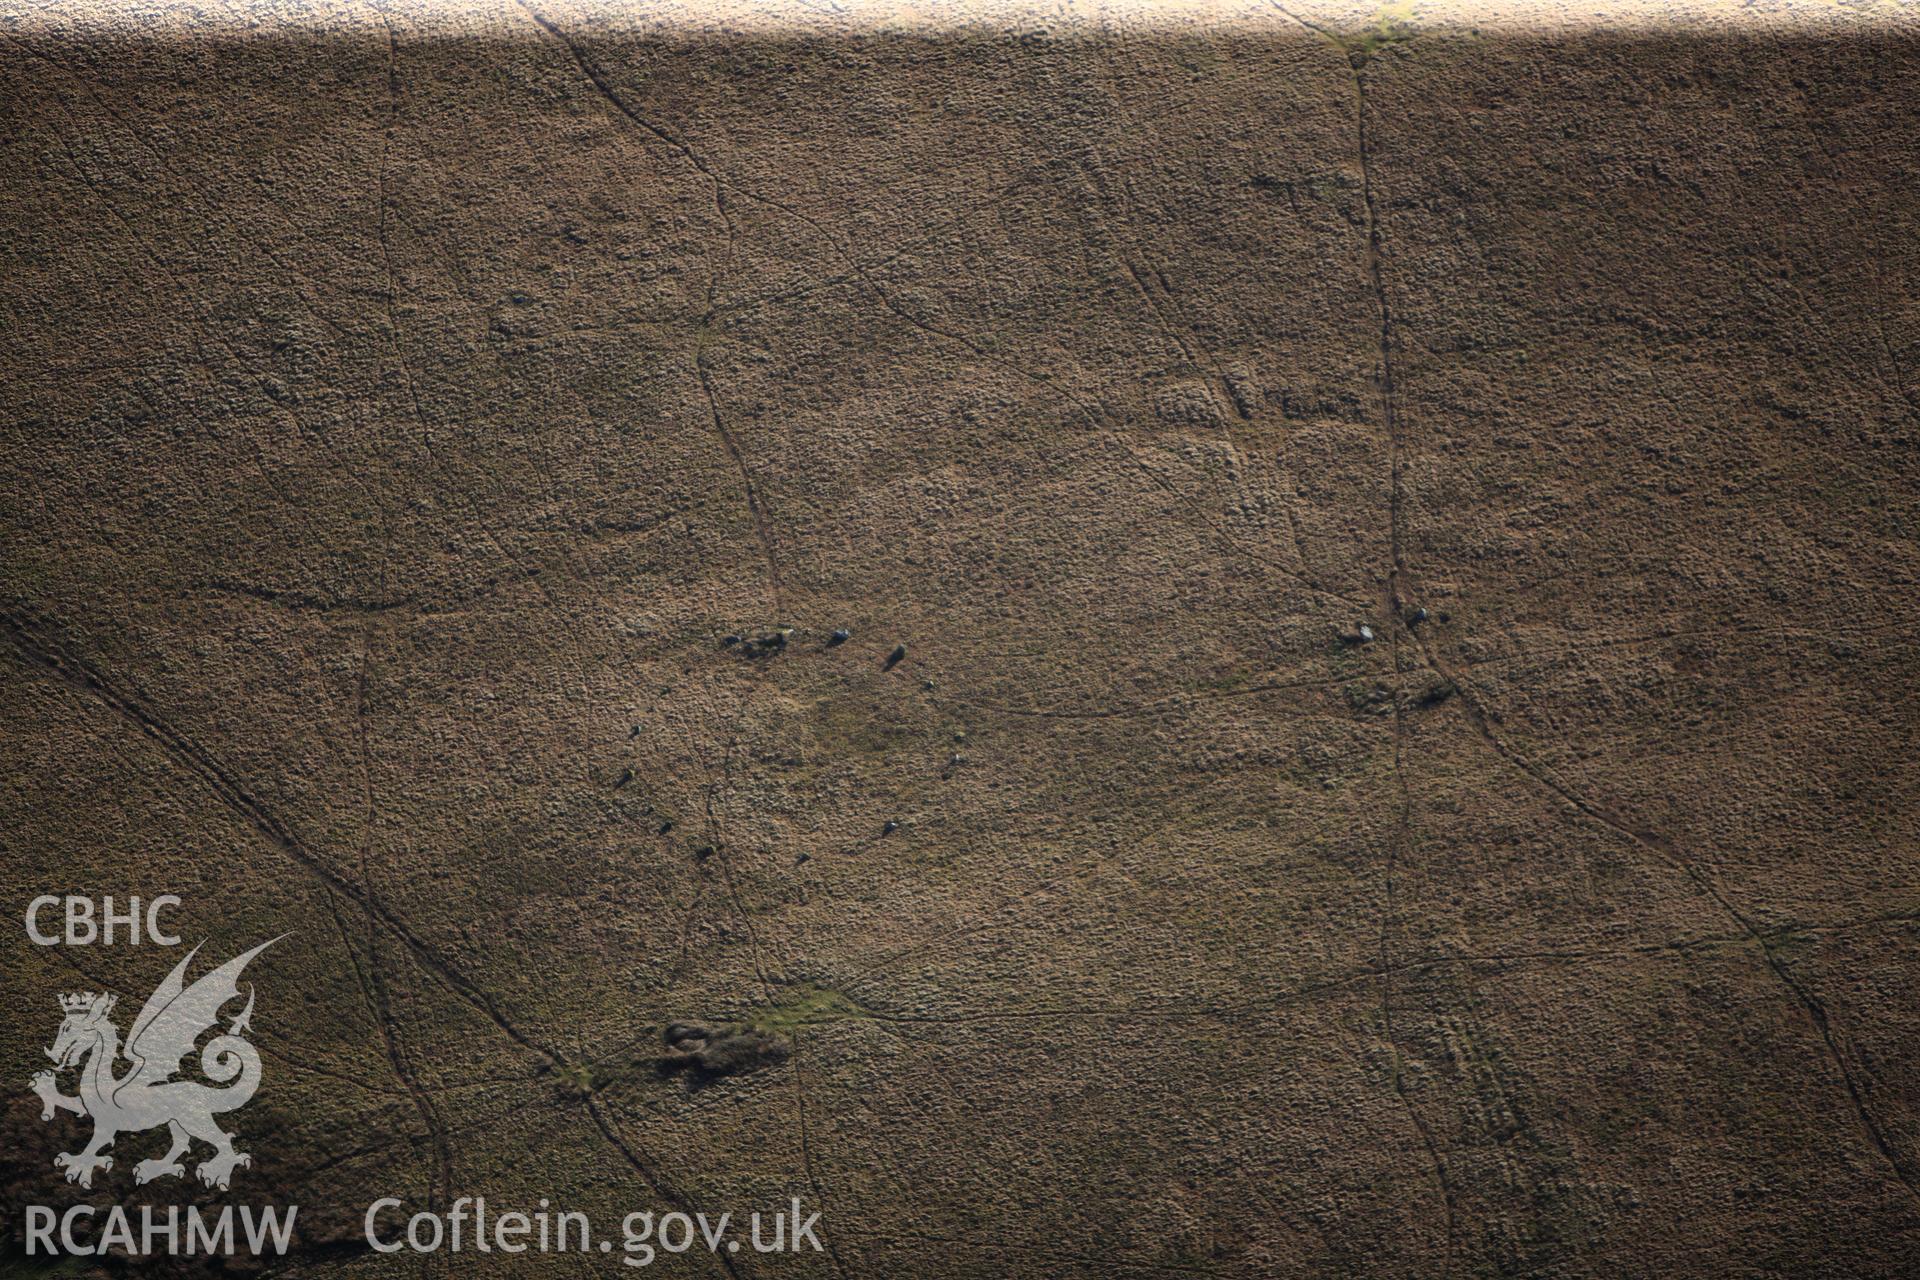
(1374, 699)
(687, 1036)
(839, 637)
(894, 659)
(889, 828)
(703, 1055)
(767, 643)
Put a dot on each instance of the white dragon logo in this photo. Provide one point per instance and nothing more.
(146, 1096)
